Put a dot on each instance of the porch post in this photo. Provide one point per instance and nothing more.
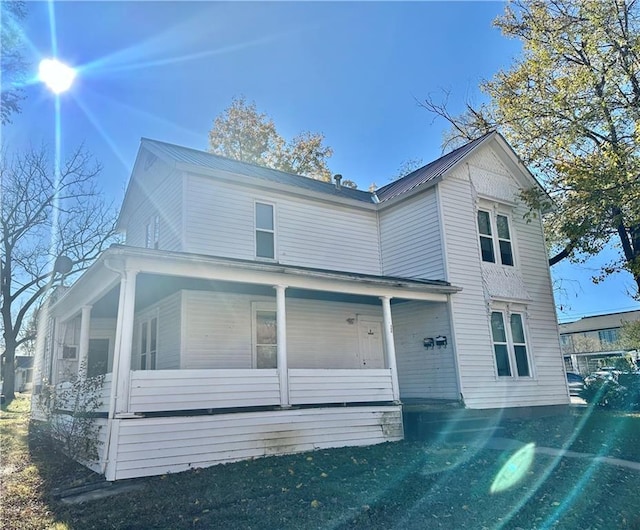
(83, 351)
(390, 346)
(281, 326)
(124, 341)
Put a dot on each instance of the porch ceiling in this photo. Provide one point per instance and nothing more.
(151, 288)
(161, 273)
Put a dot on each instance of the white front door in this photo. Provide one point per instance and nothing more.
(371, 349)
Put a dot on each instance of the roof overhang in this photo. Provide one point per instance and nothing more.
(106, 272)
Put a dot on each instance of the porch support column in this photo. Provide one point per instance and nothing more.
(281, 328)
(83, 352)
(124, 342)
(390, 346)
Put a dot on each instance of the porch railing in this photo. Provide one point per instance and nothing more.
(174, 390)
(166, 390)
(308, 387)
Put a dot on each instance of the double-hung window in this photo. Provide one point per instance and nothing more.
(265, 335)
(510, 344)
(152, 233)
(495, 238)
(148, 344)
(265, 231)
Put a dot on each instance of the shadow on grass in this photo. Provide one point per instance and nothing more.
(395, 485)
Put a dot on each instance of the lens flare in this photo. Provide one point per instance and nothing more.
(514, 469)
(56, 75)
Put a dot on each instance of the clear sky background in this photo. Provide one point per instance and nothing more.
(353, 71)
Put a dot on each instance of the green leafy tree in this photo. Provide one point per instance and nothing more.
(630, 335)
(12, 65)
(570, 106)
(243, 133)
(44, 215)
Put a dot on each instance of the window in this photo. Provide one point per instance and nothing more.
(608, 336)
(265, 336)
(148, 344)
(504, 240)
(494, 237)
(566, 343)
(486, 238)
(152, 233)
(156, 231)
(500, 344)
(69, 352)
(265, 231)
(510, 345)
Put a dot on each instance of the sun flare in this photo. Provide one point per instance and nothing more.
(56, 75)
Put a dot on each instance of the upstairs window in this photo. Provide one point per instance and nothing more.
(486, 236)
(152, 233)
(504, 240)
(495, 234)
(265, 231)
(510, 345)
(609, 336)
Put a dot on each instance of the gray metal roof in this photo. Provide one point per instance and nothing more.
(215, 162)
(430, 172)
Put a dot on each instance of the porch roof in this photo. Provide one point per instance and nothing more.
(104, 275)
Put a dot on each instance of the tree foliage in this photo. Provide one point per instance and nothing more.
(45, 214)
(570, 106)
(243, 133)
(12, 65)
(630, 335)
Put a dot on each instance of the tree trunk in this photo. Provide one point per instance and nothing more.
(9, 373)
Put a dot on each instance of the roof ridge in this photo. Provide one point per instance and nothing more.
(243, 162)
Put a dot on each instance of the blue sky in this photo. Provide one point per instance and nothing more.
(352, 71)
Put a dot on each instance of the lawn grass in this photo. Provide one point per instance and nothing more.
(584, 429)
(395, 485)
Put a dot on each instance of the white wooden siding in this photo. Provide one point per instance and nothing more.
(481, 388)
(170, 390)
(324, 334)
(339, 386)
(320, 334)
(410, 238)
(156, 191)
(168, 312)
(154, 446)
(105, 393)
(220, 222)
(422, 373)
(217, 330)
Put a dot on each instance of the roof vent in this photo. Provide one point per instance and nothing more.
(338, 180)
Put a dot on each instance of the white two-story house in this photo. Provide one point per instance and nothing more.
(255, 312)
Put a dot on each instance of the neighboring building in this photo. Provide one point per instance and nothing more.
(24, 373)
(255, 312)
(588, 343)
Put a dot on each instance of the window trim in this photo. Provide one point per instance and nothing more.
(256, 229)
(506, 313)
(493, 213)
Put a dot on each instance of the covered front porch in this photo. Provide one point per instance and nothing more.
(182, 336)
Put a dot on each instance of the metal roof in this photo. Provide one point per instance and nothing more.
(430, 172)
(207, 160)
